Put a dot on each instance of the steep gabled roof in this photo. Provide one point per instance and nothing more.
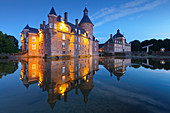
(52, 12)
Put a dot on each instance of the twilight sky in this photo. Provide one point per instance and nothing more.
(137, 19)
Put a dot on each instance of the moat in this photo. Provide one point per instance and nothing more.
(85, 85)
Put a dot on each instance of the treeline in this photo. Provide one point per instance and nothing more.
(8, 44)
(136, 45)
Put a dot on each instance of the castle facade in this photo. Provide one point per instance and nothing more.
(60, 38)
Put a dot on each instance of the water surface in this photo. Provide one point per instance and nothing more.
(87, 85)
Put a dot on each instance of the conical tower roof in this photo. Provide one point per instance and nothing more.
(85, 18)
(52, 12)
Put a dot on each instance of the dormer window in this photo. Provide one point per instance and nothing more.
(66, 28)
(79, 32)
(76, 30)
(84, 34)
(62, 19)
(61, 27)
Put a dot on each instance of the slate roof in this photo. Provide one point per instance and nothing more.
(31, 30)
(85, 18)
(118, 34)
(52, 12)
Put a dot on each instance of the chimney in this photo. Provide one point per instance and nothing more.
(65, 16)
(77, 22)
(111, 36)
(44, 23)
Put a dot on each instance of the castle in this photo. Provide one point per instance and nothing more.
(60, 37)
(116, 45)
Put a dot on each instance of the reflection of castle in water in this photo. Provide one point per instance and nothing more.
(115, 66)
(60, 77)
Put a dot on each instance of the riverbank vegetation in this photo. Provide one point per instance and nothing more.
(8, 44)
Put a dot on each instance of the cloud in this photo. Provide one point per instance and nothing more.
(108, 14)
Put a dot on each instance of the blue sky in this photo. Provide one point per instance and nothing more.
(137, 19)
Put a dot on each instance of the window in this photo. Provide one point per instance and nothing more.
(63, 70)
(63, 45)
(79, 47)
(33, 74)
(95, 49)
(76, 46)
(79, 32)
(33, 66)
(61, 27)
(82, 40)
(76, 38)
(66, 28)
(64, 52)
(76, 30)
(46, 35)
(64, 36)
(95, 44)
(79, 39)
(33, 46)
(51, 25)
(63, 78)
(33, 39)
(79, 66)
(55, 26)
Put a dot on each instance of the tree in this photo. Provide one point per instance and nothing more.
(136, 45)
(8, 44)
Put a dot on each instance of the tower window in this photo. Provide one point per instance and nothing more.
(63, 45)
(33, 39)
(33, 46)
(79, 32)
(51, 25)
(64, 36)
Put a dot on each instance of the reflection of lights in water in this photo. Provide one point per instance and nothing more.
(162, 49)
(162, 62)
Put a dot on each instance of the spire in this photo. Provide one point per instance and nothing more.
(85, 18)
(26, 27)
(52, 12)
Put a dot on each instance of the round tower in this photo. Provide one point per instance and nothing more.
(87, 25)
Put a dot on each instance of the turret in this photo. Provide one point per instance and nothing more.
(86, 24)
(52, 18)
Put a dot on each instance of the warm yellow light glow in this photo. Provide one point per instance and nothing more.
(22, 37)
(87, 80)
(62, 94)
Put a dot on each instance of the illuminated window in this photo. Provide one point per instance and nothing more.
(63, 69)
(63, 45)
(79, 32)
(55, 26)
(76, 38)
(33, 39)
(64, 36)
(79, 74)
(76, 30)
(61, 27)
(66, 28)
(33, 66)
(51, 25)
(82, 40)
(33, 46)
(84, 34)
(33, 74)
